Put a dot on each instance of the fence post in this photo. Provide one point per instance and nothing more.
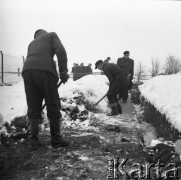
(2, 66)
(23, 59)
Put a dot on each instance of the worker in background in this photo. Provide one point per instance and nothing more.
(117, 81)
(127, 65)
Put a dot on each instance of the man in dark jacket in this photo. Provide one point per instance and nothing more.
(40, 81)
(117, 81)
(127, 65)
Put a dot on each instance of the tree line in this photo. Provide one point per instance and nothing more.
(172, 65)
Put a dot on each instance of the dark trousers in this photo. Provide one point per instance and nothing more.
(123, 94)
(116, 87)
(38, 85)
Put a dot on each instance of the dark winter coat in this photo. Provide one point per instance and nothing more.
(41, 52)
(113, 72)
(127, 65)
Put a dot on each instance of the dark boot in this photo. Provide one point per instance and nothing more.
(114, 109)
(119, 108)
(34, 131)
(56, 138)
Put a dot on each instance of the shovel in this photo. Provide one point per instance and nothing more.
(100, 100)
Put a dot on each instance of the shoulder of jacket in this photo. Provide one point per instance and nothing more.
(31, 42)
(53, 34)
(131, 59)
(105, 65)
(121, 58)
(110, 65)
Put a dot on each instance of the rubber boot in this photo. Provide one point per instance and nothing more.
(114, 109)
(34, 132)
(119, 108)
(56, 139)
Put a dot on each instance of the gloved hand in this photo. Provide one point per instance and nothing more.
(64, 77)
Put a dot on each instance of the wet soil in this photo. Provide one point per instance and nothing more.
(88, 155)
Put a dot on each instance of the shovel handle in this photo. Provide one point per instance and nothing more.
(58, 85)
(100, 99)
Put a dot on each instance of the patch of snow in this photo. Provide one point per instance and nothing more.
(83, 134)
(3, 130)
(154, 142)
(148, 133)
(71, 106)
(12, 78)
(83, 158)
(12, 101)
(59, 178)
(114, 120)
(81, 107)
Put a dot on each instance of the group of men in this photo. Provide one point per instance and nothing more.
(81, 70)
(41, 78)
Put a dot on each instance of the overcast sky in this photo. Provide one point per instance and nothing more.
(95, 29)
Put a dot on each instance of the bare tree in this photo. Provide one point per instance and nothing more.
(172, 65)
(140, 71)
(155, 67)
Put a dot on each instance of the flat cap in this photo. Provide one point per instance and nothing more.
(126, 52)
(97, 63)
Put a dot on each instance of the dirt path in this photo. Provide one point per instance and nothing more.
(87, 156)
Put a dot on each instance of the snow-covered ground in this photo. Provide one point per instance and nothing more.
(12, 102)
(164, 93)
(9, 79)
(13, 99)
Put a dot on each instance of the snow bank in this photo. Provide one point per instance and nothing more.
(164, 93)
(12, 102)
(13, 99)
(91, 87)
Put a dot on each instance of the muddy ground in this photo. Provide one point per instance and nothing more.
(88, 155)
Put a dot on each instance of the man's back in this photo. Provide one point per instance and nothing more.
(112, 71)
(41, 52)
(40, 82)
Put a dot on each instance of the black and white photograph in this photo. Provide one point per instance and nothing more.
(90, 89)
